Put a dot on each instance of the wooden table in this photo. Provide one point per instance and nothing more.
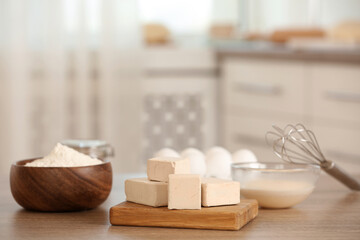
(331, 212)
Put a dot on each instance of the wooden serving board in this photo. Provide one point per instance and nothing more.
(231, 217)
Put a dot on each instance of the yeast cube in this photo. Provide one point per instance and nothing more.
(159, 168)
(217, 192)
(184, 191)
(143, 191)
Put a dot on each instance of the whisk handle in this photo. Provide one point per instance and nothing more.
(341, 175)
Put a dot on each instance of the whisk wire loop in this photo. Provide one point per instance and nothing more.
(296, 137)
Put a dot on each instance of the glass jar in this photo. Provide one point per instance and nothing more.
(94, 148)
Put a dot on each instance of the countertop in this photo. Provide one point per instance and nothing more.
(331, 212)
(267, 50)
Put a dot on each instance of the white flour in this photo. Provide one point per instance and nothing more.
(63, 156)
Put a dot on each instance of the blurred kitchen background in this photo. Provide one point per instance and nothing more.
(147, 74)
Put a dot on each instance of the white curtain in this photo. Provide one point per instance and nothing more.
(69, 69)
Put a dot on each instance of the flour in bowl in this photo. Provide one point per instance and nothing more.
(63, 156)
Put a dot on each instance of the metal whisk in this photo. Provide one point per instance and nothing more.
(297, 144)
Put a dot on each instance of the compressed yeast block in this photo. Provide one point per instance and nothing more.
(184, 191)
(218, 192)
(143, 191)
(159, 168)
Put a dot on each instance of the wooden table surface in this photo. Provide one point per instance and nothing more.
(331, 212)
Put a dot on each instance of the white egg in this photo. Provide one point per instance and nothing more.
(215, 150)
(218, 162)
(197, 160)
(243, 156)
(166, 152)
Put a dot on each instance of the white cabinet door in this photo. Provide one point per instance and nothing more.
(335, 92)
(268, 86)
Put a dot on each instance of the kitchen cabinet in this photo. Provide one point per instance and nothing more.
(178, 99)
(325, 96)
(335, 92)
(272, 87)
(335, 111)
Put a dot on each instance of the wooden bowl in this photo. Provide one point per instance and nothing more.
(60, 189)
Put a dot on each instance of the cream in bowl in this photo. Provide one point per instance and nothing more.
(276, 185)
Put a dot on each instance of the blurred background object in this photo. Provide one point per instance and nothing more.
(283, 36)
(143, 75)
(222, 31)
(156, 34)
(348, 31)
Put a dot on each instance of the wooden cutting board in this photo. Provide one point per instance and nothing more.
(223, 218)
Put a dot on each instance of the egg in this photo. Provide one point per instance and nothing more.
(216, 149)
(166, 152)
(243, 156)
(218, 162)
(197, 160)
